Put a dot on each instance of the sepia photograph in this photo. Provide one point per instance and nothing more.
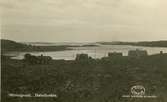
(83, 50)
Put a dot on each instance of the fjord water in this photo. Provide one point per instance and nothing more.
(93, 51)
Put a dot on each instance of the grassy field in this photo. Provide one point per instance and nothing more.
(103, 80)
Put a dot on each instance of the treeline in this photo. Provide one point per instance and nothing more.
(144, 43)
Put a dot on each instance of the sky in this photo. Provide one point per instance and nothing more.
(83, 20)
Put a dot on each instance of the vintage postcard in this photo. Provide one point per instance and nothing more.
(83, 50)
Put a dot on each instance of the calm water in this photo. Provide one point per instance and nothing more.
(95, 52)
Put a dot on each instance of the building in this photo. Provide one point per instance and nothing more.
(137, 53)
(82, 57)
(31, 59)
(161, 52)
(115, 54)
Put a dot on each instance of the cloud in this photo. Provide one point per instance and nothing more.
(107, 18)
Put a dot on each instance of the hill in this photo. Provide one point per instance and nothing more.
(8, 45)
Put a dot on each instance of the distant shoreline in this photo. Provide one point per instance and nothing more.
(9, 46)
(144, 43)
